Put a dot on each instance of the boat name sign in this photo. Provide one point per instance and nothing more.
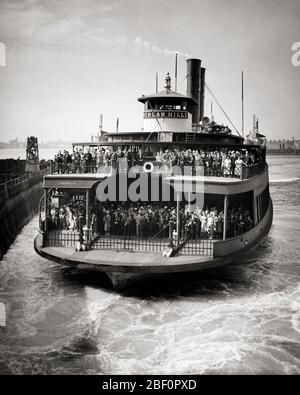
(166, 114)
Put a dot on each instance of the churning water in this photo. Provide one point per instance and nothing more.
(243, 318)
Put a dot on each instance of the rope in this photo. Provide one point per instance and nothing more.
(219, 105)
(165, 227)
(182, 81)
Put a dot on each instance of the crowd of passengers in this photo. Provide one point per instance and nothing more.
(218, 162)
(150, 220)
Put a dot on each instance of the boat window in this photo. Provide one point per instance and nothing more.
(148, 151)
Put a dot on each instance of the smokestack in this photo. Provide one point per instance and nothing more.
(202, 93)
(193, 86)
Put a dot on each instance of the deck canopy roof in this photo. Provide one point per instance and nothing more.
(73, 181)
(163, 95)
(213, 141)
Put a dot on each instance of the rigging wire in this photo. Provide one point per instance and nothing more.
(157, 122)
(182, 81)
(221, 108)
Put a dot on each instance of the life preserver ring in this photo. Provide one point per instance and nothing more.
(148, 167)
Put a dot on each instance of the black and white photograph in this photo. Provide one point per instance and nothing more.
(149, 190)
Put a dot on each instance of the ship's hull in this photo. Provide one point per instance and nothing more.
(123, 268)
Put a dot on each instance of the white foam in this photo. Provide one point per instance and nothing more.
(2, 314)
(240, 326)
(283, 180)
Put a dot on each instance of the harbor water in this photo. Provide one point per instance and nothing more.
(44, 153)
(242, 318)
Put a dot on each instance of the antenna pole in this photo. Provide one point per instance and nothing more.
(176, 73)
(117, 125)
(156, 82)
(101, 124)
(242, 103)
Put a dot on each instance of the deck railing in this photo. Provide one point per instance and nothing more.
(13, 187)
(62, 238)
(197, 247)
(244, 173)
(140, 244)
(24, 177)
(253, 170)
(132, 243)
(67, 238)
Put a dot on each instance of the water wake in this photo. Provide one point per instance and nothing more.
(284, 180)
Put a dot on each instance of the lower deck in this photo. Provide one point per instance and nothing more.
(70, 239)
(126, 261)
(122, 261)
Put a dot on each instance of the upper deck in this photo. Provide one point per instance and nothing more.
(221, 162)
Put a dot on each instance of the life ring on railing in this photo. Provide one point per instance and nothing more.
(148, 167)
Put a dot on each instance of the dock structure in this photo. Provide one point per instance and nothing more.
(21, 188)
(32, 155)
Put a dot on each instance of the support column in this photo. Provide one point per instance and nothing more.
(170, 230)
(46, 211)
(86, 229)
(87, 208)
(225, 217)
(254, 209)
(189, 203)
(178, 217)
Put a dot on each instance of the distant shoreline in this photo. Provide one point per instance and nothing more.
(44, 153)
(40, 147)
(283, 153)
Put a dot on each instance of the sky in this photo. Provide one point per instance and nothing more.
(67, 61)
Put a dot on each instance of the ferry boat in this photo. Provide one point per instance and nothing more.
(209, 210)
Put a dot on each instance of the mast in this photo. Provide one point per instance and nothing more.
(156, 83)
(176, 73)
(117, 125)
(100, 125)
(242, 103)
